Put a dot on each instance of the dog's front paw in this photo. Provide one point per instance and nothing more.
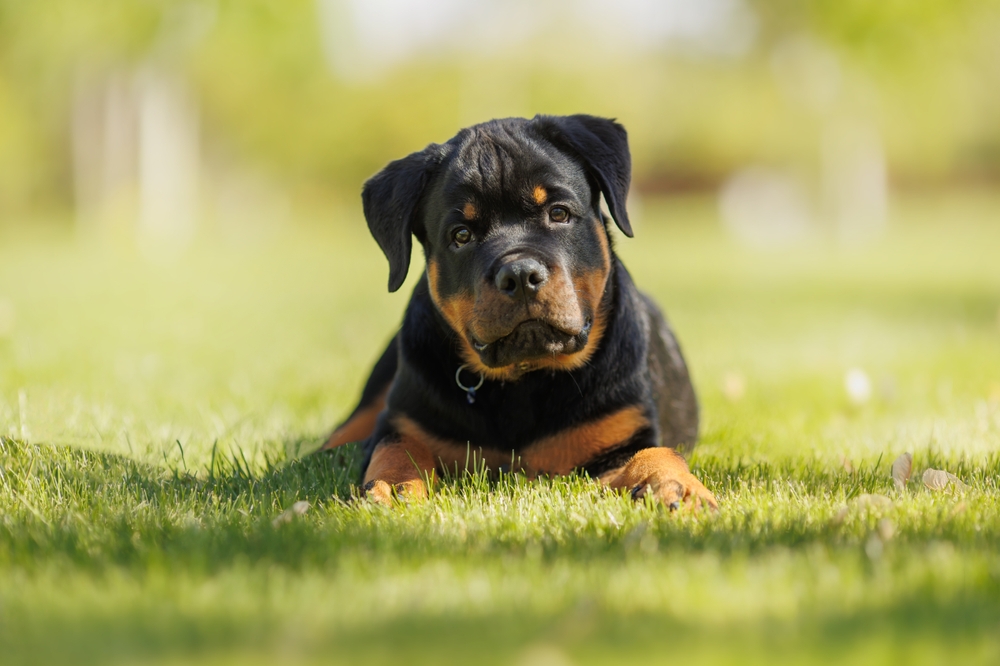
(662, 474)
(676, 491)
(381, 492)
(378, 491)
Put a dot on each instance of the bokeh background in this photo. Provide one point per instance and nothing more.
(182, 250)
(190, 300)
(163, 121)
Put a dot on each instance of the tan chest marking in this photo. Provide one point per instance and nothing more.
(565, 451)
(557, 454)
(450, 455)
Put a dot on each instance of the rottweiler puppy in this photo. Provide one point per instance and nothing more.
(525, 345)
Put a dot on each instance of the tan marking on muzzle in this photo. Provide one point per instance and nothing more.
(588, 288)
(559, 303)
(458, 311)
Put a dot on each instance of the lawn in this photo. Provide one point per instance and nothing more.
(156, 416)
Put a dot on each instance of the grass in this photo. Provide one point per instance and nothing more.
(154, 417)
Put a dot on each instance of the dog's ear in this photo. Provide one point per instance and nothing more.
(602, 146)
(390, 200)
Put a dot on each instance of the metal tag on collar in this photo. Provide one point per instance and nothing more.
(470, 391)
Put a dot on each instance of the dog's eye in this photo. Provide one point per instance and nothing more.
(559, 214)
(461, 236)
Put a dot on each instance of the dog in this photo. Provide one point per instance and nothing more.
(525, 345)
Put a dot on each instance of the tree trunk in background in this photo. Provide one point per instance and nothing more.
(136, 158)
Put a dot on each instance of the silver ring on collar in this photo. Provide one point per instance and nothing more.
(470, 391)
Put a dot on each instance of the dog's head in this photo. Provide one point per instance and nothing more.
(508, 213)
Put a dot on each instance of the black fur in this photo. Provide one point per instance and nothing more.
(637, 363)
(390, 199)
(602, 145)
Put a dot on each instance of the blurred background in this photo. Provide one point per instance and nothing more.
(190, 299)
(161, 121)
(186, 278)
(183, 255)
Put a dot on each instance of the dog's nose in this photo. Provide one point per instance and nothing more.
(521, 277)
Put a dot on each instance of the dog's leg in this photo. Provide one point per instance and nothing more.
(662, 472)
(676, 403)
(361, 423)
(400, 466)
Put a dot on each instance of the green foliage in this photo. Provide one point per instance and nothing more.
(154, 420)
(924, 74)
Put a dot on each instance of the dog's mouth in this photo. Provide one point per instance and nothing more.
(530, 340)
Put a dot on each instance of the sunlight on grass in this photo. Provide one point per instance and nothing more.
(155, 420)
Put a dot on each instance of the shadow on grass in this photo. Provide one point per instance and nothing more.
(100, 511)
(227, 478)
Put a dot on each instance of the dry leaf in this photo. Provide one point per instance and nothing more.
(901, 470)
(288, 515)
(936, 479)
(956, 482)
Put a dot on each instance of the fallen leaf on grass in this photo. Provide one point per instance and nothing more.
(901, 470)
(957, 482)
(938, 479)
(935, 479)
(289, 514)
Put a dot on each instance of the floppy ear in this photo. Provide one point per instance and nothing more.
(390, 200)
(602, 145)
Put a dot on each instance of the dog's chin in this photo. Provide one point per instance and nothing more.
(531, 340)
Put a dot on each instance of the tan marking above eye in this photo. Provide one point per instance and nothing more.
(540, 195)
(469, 211)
